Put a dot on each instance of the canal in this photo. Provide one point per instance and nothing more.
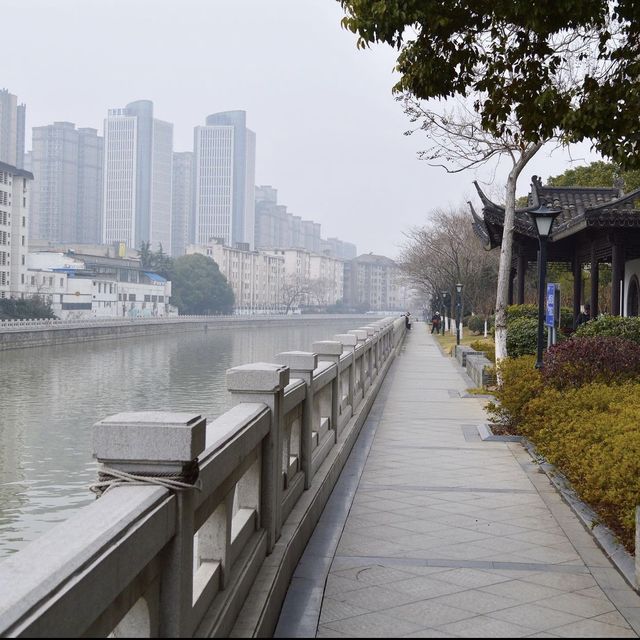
(51, 396)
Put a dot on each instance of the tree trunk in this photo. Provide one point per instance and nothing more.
(506, 250)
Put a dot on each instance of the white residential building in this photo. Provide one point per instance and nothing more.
(86, 286)
(328, 274)
(15, 186)
(256, 278)
(320, 276)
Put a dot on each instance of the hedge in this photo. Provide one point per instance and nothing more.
(628, 328)
(580, 361)
(592, 435)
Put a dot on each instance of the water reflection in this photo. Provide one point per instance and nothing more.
(50, 397)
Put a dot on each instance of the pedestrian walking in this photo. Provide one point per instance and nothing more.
(435, 322)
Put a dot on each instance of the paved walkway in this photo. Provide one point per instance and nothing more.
(433, 533)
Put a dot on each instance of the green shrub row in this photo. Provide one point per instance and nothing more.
(592, 434)
(488, 348)
(581, 414)
(628, 328)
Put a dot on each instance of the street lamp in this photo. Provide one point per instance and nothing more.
(444, 309)
(458, 310)
(542, 218)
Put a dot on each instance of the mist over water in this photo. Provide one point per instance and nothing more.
(50, 397)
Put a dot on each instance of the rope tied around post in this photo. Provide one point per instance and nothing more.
(109, 478)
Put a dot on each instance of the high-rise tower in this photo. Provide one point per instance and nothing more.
(182, 196)
(224, 155)
(12, 127)
(138, 155)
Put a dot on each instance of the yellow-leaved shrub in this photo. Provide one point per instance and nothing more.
(592, 435)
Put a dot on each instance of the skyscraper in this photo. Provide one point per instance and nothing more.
(66, 203)
(224, 155)
(182, 197)
(138, 152)
(90, 176)
(54, 200)
(12, 127)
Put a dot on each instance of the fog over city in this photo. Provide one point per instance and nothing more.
(329, 134)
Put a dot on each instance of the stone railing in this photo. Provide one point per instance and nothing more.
(51, 323)
(150, 560)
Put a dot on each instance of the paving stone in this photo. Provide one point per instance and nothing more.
(578, 605)
(372, 625)
(333, 610)
(484, 627)
(429, 613)
(592, 629)
(375, 598)
(535, 617)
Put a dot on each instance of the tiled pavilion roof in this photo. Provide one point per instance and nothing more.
(581, 207)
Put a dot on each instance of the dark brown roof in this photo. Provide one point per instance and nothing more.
(580, 207)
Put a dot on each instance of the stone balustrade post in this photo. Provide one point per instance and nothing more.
(373, 368)
(302, 365)
(349, 342)
(330, 351)
(362, 336)
(157, 443)
(265, 383)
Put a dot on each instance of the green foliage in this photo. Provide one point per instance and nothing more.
(628, 328)
(504, 52)
(580, 361)
(520, 382)
(522, 336)
(515, 311)
(596, 174)
(489, 348)
(198, 287)
(592, 434)
(156, 261)
(476, 324)
(25, 309)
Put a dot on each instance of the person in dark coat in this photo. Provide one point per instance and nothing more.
(584, 316)
(435, 322)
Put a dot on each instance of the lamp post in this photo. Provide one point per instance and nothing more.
(444, 309)
(542, 218)
(458, 310)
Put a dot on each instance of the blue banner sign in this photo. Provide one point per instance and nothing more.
(551, 305)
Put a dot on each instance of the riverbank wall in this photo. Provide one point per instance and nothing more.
(42, 333)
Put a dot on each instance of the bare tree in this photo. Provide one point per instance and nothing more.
(458, 143)
(294, 291)
(446, 251)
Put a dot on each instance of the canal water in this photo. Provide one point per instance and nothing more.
(51, 396)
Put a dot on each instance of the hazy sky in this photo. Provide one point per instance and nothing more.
(329, 133)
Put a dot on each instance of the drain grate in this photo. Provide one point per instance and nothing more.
(470, 433)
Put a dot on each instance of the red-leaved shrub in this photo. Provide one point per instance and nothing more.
(579, 361)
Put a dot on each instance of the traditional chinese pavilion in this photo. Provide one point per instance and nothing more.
(596, 225)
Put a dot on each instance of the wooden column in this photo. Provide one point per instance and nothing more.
(595, 281)
(522, 270)
(577, 288)
(617, 271)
